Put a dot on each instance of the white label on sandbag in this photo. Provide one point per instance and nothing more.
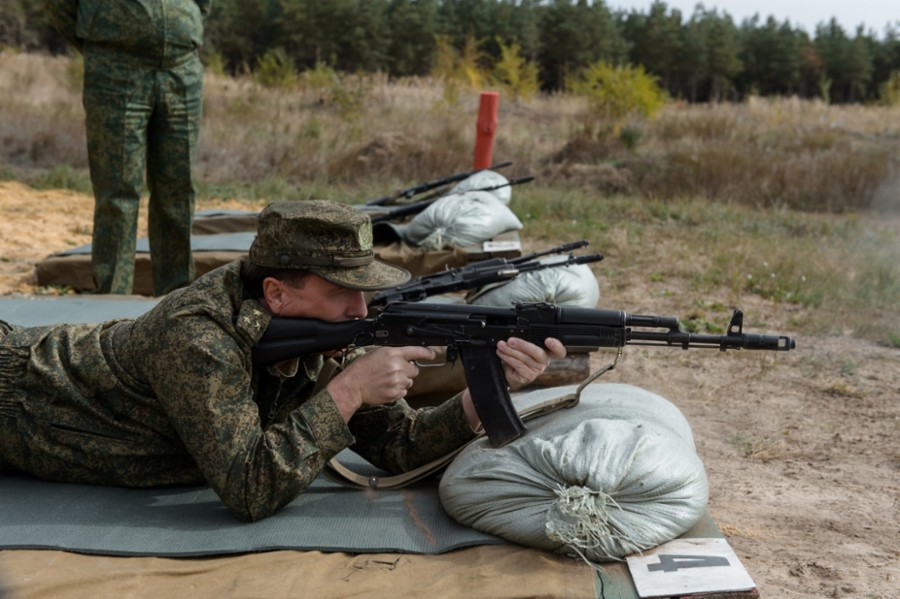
(501, 246)
(687, 566)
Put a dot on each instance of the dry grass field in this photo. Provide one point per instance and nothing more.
(788, 210)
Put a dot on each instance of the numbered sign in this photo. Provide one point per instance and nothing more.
(688, 566)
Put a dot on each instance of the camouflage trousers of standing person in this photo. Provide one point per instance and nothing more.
(143, 115)
(10, 446)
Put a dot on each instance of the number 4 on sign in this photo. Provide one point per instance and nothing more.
(669, 562)
(688, 566)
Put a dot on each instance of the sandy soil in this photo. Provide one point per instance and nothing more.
(802, 448)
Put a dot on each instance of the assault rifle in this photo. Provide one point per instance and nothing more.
(479, 274)
(472, 332)
(429, 185)
(405, 210)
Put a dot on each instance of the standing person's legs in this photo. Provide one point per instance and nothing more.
(172, 139)
(11, 453)
(117, 105)
(11, 361)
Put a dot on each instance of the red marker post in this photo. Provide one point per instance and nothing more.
(485, 129)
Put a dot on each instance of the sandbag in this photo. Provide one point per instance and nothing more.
(463, 219)
(484, 181)
(419, 261)
(573, 285)
(615, 475)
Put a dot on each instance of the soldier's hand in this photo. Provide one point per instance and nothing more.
(379, 377)
(523, 361)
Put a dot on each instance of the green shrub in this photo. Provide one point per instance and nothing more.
(321, 78)
(630, 136)
(345, 92)
(214, 63)
(894, 339)
(275, 69)
(459, 68)
(619, 92)
(517, 76)
(889, 92)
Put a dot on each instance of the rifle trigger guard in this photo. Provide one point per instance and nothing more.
(421, 365)
(452, 356)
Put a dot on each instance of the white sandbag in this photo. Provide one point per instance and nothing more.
(615, 475)
(484, 180)
(573, 285)
(461, 220)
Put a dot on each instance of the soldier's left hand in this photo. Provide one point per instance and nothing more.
(523, 361)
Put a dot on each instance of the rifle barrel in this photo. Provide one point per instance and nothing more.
(429, 185)
(566, 247)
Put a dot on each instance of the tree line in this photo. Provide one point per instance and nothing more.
(704, 56)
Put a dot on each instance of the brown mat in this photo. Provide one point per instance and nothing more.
(499, 572)
(235, 229)
(73, 270)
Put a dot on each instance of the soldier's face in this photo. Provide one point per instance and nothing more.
(315, 298)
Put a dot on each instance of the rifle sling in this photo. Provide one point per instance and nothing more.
(340, 473)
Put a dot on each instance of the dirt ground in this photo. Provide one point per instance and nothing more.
(802, 449)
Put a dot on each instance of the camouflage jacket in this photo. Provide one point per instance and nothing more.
(173, 398)
(153, 28)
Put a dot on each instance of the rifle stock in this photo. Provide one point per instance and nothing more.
(472, 333)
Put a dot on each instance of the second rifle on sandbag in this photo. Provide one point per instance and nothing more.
(404, 210)
(409, 192)
(478, 274)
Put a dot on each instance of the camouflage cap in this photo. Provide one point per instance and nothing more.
(332, 240)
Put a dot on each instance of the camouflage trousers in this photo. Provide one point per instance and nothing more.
(142, 116)
(11, 450)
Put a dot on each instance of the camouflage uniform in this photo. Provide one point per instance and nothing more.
(173, 398)
(143, 88)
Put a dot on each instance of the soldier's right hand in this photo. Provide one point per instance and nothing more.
(381, 376)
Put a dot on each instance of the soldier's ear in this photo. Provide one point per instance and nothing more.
(273, 295)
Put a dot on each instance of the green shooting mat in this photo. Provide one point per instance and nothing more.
(191, 521)
(73, 309)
